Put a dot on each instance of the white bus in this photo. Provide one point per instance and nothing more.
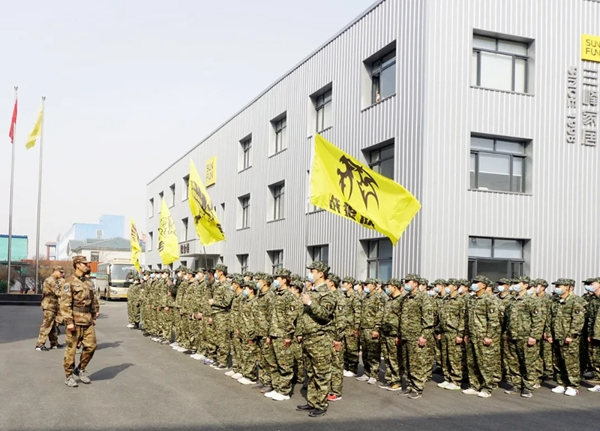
(112, 278)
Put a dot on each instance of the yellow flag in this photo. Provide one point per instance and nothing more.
(168, 246)
(342, 185)
(36, 132)
(136, 249)
(207, 224)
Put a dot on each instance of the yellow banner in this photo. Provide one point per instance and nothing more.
(342, 185)
(590, 48)
(36, 132)
(207, 224)
(211, 171)
(168, 246)
(136, 249)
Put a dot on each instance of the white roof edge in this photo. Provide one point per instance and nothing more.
(277, 81)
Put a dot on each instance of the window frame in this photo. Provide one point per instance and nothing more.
(376, 166)
(172, 190)
(246, 145)
(151, 207)
(512, 155)
(151, 242)
(95, 254)
(243, 261)
(377, 259)
(376, 76)
(184, 229)
(320, 247)
(280, 128)
(278, 196)
(321, 102)
(185, 188)
(279, 264)
(245, 214)
(510, 261)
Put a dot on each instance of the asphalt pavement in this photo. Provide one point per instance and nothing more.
(140, 385)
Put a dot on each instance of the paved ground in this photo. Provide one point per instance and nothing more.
(139, 385)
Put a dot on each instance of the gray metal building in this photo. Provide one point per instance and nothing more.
(483, 109)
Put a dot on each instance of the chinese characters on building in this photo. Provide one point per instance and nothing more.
(589, 105)
(184, 248)
(572, 105)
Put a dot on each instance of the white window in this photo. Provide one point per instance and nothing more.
(497, 164)
(500, 64)
(243, 261)
(381, 160)
(185, 186)
(172, 189)
(323, 108)
(379, 259)
(245, 147)
(99, 234)
(276, 258)
(383, 77)
(280, 128)
(277, 195)
(244, 220)
(319, 253)
(184, 229)
(496, 258)
(150, 241)
(151, 207)
(161, 195)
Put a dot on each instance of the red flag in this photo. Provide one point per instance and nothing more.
(13, 123)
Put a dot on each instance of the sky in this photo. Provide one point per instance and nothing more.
(125, 79)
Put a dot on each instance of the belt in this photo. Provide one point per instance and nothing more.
(82, 309)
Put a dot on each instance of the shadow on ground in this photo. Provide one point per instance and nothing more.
(109, 373)
(112, 345)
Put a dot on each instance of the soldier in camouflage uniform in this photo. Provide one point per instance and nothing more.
(134, 303)
(567, 322)
(264, 308)
(296, 288)
(50, 297)
(286, 309)
(585, 355)
(197, 304)
(184, 298)
(390, 323)
(416, 328)
(234, 323)
(247, 333)
(352, 339)
(220, 304)
(544, 364)
(502, 293)
(593, 286)
(483, 338)
(209, 348)
(315, 332)
(178, 288)
(439, 287)
(452, 312)
(79, 309)
(340, 323)
(524, 328)
(370, 324)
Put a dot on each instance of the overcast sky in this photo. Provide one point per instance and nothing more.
(126, 80)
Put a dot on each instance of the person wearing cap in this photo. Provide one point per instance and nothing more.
(267, 363)
(133, 303)
(247, 333)
(80, 309)
(315, 332)
(544, 364)
(370, 324)
(282, 327)
(350, 340)
(585, 356)
(389, 335)
(220, 304)
(593, 329)
(234, 323)
(209, 347)
(296, 288)
(197, 308)
(340, 323)
(174, 289)
(415, 328)
(164, 303)
(182, 312)
(483, 339)
(502, 293)
(566, 326)
(439, 286)
(50, 308)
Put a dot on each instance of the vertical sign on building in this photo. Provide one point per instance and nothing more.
(572, 105)
(211, 171)
(590, 55)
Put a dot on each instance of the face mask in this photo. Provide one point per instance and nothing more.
(447, 290)
(276, 284)
(462, 290)
(367, 290)
(590, 289)
(206, 278)
(436, 289)
(407, 288)
(472, 293)
(344, 289)
(258, 286)
(530, 291)
(164, 276)
(356, 288)
(245, 293)
(474, 287)
(431, 293)
(388, 292)
(232, 288)
(311, 277)
(501, 288)
(516, 288)
(559, 291)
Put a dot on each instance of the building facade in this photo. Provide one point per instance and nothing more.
(109, 226)
(487, 111)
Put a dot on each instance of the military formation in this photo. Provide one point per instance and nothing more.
(272, 331)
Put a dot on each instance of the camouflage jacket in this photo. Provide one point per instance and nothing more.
(186, 302)
(284, 317)
(264, 309)
(317, 318)
(524, 318)
(78, 303)
(545, 305)
(593, 321)
(222, 297)
(248, 319)
(342, 316)
(234, 314)
(452, 316)
(568, 318)
(180, 293)
(51, 294)
(483, 317)
(199, 298)
(372, 311)
(355, 309)
(390, 321)
(134, 294)
(416, 316)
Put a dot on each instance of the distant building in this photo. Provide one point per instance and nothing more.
(50, 251)
(18, 246)
(103, 250)
(110, 226)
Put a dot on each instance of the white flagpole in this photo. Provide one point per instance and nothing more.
(39, 205)
(10, 205)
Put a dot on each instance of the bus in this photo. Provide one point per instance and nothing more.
(112, 278)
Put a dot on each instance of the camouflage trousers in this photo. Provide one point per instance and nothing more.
(504, 357)
(48, 329)
(166, 323)
(389, 351)
(209, 348)
(185, 330)
(317, 351)
(176, 323)
(133, 311)
(197, 336)
(86, 336)
(337, 371)
(594, 349)
(236, 354)
(522, 364)
(585, 354)
(350, 346)
(482, 363)
(249, 359)
(299, 369)
(567, 366)
(222, 337)
(544, 364)
(267, 364)
(283, 373)
(371, 352)
(452, 358)
(417, 362)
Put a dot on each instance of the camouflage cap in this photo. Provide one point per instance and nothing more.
(58, 268)
(504, 281)
(523, 279)
(79, 259)
(334, 278)
(482, 279)
(463, 282)
(564, 282)
(146, 272)
(453, 282)
(200, 269)
(248, 274)
(370, 281)
(412, 277)
(378, 281)
(282, 272)
(297, 284)
(221, 267)
(440, 281)
(295, 277)
(592, 280)
(266, 277)
(237, 279)
(350, 280)
(539, 281)
(395, 282)
(423, 281)
(319, 266)
(181, 268)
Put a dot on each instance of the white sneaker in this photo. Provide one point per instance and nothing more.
(181, 349)
(271, 394)
(174, 344)
(470, 391)
(349, 374)
(237, 376)
(452, 387)
(245, 381)
(594, 389)
(559, 390)
(372, 381)
(131, 325)
(571, 392)
(443, 385)
(363, 378)
(280, 397)
(230, 373)
(484, 394)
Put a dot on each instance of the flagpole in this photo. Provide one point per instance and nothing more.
(10, 205)
(39, 203)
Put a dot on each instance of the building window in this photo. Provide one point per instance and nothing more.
(243, 260)
(184, 230)
(495, 258)
(159, 266)
(323, 107)
(276, 258)
(150, 241)
(379, 259)
(185, 186)
(172, 189)
(245, 212)
(246, 147)
(277, 192)
(151, 207)
(497, 164)
(99, 234)
(383, 77)
(319, 253)
(95, 256)
(280, 129)
(500, 64)
(381, 160)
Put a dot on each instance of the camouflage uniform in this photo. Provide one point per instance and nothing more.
(50, 297)
(593, 331)
(416, 321)
(247, 334)
(340, 323)
(264, 308)
(544, 364)
(370, 322)
(567, 321)
(234, 325)
(390, 323)
(352, 340)
(79, 306)
(133, 303)
(220, 304)
(452, 326)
